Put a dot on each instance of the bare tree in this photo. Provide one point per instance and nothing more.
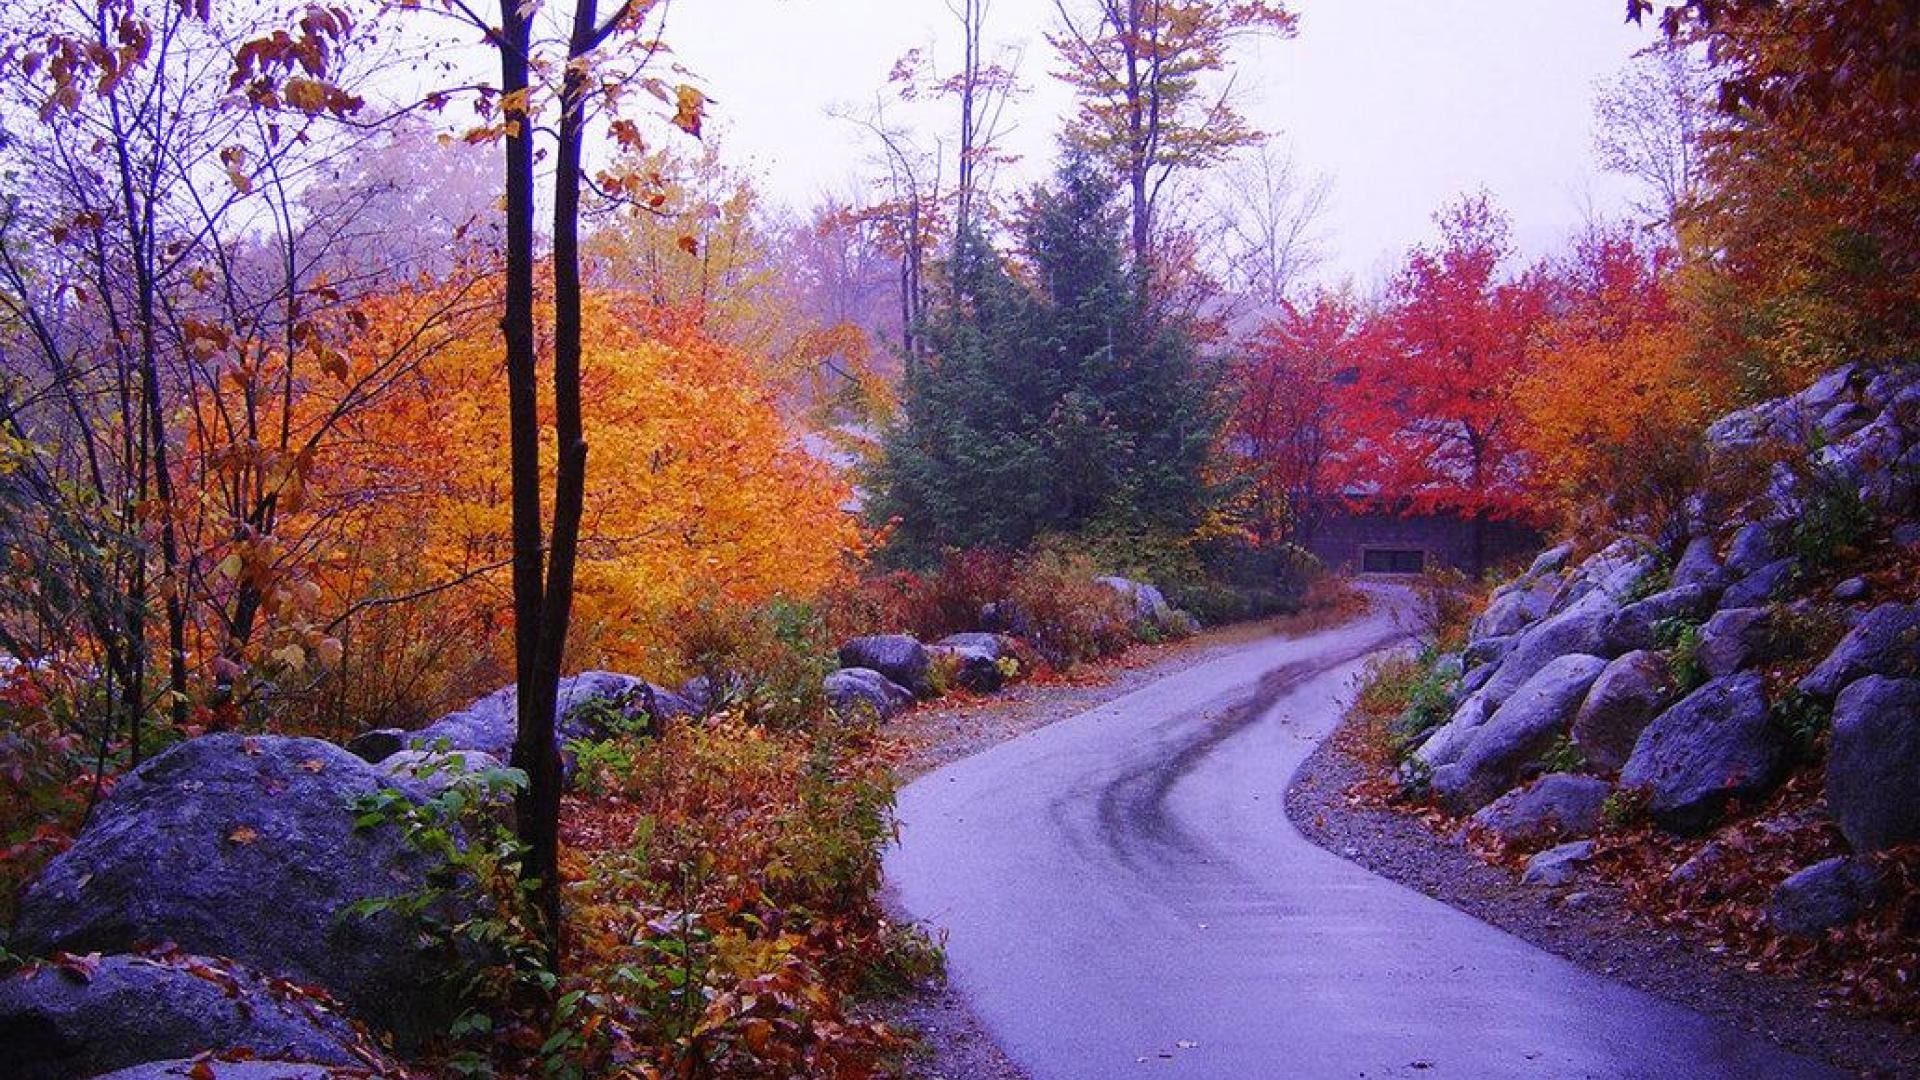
(1270, 217)
(1648, 123)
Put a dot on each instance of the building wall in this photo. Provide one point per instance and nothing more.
(1343, 539)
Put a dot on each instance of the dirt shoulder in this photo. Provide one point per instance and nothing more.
(1589, 925)
(954, 1043)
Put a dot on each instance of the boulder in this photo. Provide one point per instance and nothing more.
(1735, 639)
(1869, 450)
(1636, 626)
(1698, 565)
(1554, 806)
(1622, 702)
(1851, 591)
(586, 700)
(1715, 746)
(426, 773)
(232, 1070)
(1704, 871)
(1886, 641)
(377, 745)
(1550, 561)
(1558, 866)
(1755, 545)
(998, 646)
(851, 691)
(1577, 630)
(1515, 607)
(1843, 419)
(1613, 572)
(1766, 583)
(1873, 762)
(1825, 895)
(1450, 740)
(973, 669)
(1481, 652)
(58, 1023)
(1508, 747)
(1151, 614)
(246, 847)
(901, 658)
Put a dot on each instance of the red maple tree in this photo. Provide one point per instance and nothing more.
(1431, 411)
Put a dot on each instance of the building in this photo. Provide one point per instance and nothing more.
(1354, 537)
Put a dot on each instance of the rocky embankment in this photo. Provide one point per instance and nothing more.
(1777, 634)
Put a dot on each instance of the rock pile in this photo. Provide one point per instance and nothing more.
(1643, 668)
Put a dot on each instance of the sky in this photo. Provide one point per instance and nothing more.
(1403, 103)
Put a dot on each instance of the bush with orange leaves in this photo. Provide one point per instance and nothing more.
(698, 490)
(1617, 394)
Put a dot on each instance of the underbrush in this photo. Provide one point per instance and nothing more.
(720, 912)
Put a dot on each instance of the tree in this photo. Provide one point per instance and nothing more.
(1052, 406)
(1650, 120)
(599, 61)
(1269, 217)
(1288, 424)
(1432, 410)
(163, 308)
(1809, 223)
(1141, 69)
(1617, 395)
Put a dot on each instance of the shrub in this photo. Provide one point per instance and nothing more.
(1070, 616)
(766, 663)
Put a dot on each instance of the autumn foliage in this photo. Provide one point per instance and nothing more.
(701, 492)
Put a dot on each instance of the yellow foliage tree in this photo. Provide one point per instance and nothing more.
(700, 491)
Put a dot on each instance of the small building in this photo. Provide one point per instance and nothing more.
(1357, 538)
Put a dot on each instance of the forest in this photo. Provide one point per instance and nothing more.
(373, 365)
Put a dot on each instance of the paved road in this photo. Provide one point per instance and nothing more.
(1124, 897)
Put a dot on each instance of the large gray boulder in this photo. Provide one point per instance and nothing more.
(1715, 746)
(1516, 606)
(1625, 698)
(1613, 572)
(246, 847)
(426, 773)
(900, 657)
(1637, 625)
(63, 1023)
(1555, 806)
(856, 691)
(1736, 639)
(490, 724)
(1579, 629)
(1825, 895)
(1151, 614)
(1754, 546)
(1508, 747)
(1766, 584)
(1558, 866)
(1873, 763)
(1699, 565)
(1886, 641)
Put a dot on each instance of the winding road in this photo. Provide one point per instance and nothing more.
(1124, 896)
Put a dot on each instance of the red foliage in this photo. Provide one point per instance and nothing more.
(1288, 422)
(1431, 410)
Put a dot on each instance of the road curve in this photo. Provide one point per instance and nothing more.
(1124, 896)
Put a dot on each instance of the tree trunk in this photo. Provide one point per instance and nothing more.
(536, 811)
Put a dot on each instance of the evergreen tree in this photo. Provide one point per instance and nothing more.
(1049, 404)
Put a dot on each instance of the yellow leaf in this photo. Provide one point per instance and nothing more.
(243, 835)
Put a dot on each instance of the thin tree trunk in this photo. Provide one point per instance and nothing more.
(534, 811)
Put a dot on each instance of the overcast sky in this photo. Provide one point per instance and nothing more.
(1404, 103)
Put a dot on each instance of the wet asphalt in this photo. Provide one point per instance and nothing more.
(1124, 897)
